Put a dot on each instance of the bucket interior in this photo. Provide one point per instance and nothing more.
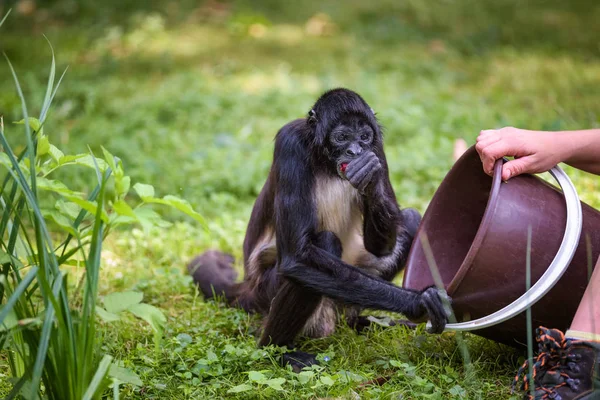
(451, 223)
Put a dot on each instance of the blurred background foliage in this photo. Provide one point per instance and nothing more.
(191, 93)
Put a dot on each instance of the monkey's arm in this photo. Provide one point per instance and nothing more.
(381, 213)
(381, 219)
(303, 262)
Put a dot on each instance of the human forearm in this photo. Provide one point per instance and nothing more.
(538, 151)
(582, 149)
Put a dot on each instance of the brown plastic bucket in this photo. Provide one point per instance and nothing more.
(477, 228)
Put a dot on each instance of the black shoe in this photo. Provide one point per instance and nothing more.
(563, 370)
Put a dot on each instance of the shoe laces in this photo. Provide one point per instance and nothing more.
(551, 366)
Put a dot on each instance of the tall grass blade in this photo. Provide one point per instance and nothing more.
(116, 394)
(46, 331)
(14, 393)
(30, 147)
(591, 285)
(19, 290)
(57, 86)
(99, 376)
(6, 16)
(528, 315)
(47, 97)
(439, 283)
(87, 332)
(51, 88)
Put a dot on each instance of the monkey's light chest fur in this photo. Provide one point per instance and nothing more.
(339, 211)
(338, 207)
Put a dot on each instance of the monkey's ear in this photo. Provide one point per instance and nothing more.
(312, 116)
(373, 111)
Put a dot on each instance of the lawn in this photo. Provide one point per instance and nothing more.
(189, 95)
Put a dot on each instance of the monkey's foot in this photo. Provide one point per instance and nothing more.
(298, 360)
(362, 322)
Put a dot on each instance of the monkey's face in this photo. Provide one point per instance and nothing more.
(347, 141)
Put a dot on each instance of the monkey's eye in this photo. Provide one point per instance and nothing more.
(365, 137)
(342, 137)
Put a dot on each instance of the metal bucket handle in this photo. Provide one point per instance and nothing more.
(557, 268)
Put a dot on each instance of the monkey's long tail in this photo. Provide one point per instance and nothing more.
(215, 276)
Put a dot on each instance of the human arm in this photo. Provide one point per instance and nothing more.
(538, 151)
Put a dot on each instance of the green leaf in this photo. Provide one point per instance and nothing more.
(122, 208)
(9, 322)
(458, 391)
(124, 375)
(89, 206)
(55, 186)
(305, 376)
(256, 376)
(184, 339)
(106, 316)
(349, 377)
(4, 160)
(150, 314)
(90, 161)
(122, 185)
(110, 159)
(275, 383)
(327, 381)
(121, 301)
(17, 293)
(67, 208)
(34, 124)
(240, 388)
(43, 146)
(98, 383)
(399, 364)
(55, 153)
(149, 218)
(143, 190)
(85, 160)
(75, 197)
(6, 258)
(61, 220)
(211, 356)
(179, 204)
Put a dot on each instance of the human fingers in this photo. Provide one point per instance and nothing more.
(489, 154)
(485, 133)
(531, 164)
(518, 166)
(486, 141)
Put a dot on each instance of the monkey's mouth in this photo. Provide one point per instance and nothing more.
(342, 170)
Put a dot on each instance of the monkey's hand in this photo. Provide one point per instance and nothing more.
(434, 305)
(363, 170)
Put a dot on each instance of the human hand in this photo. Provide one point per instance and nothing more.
(534, 151)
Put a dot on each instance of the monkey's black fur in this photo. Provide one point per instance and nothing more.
(321, 239)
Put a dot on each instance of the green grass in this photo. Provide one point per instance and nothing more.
(190, 99)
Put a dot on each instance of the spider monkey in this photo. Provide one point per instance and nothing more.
(326, 234)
